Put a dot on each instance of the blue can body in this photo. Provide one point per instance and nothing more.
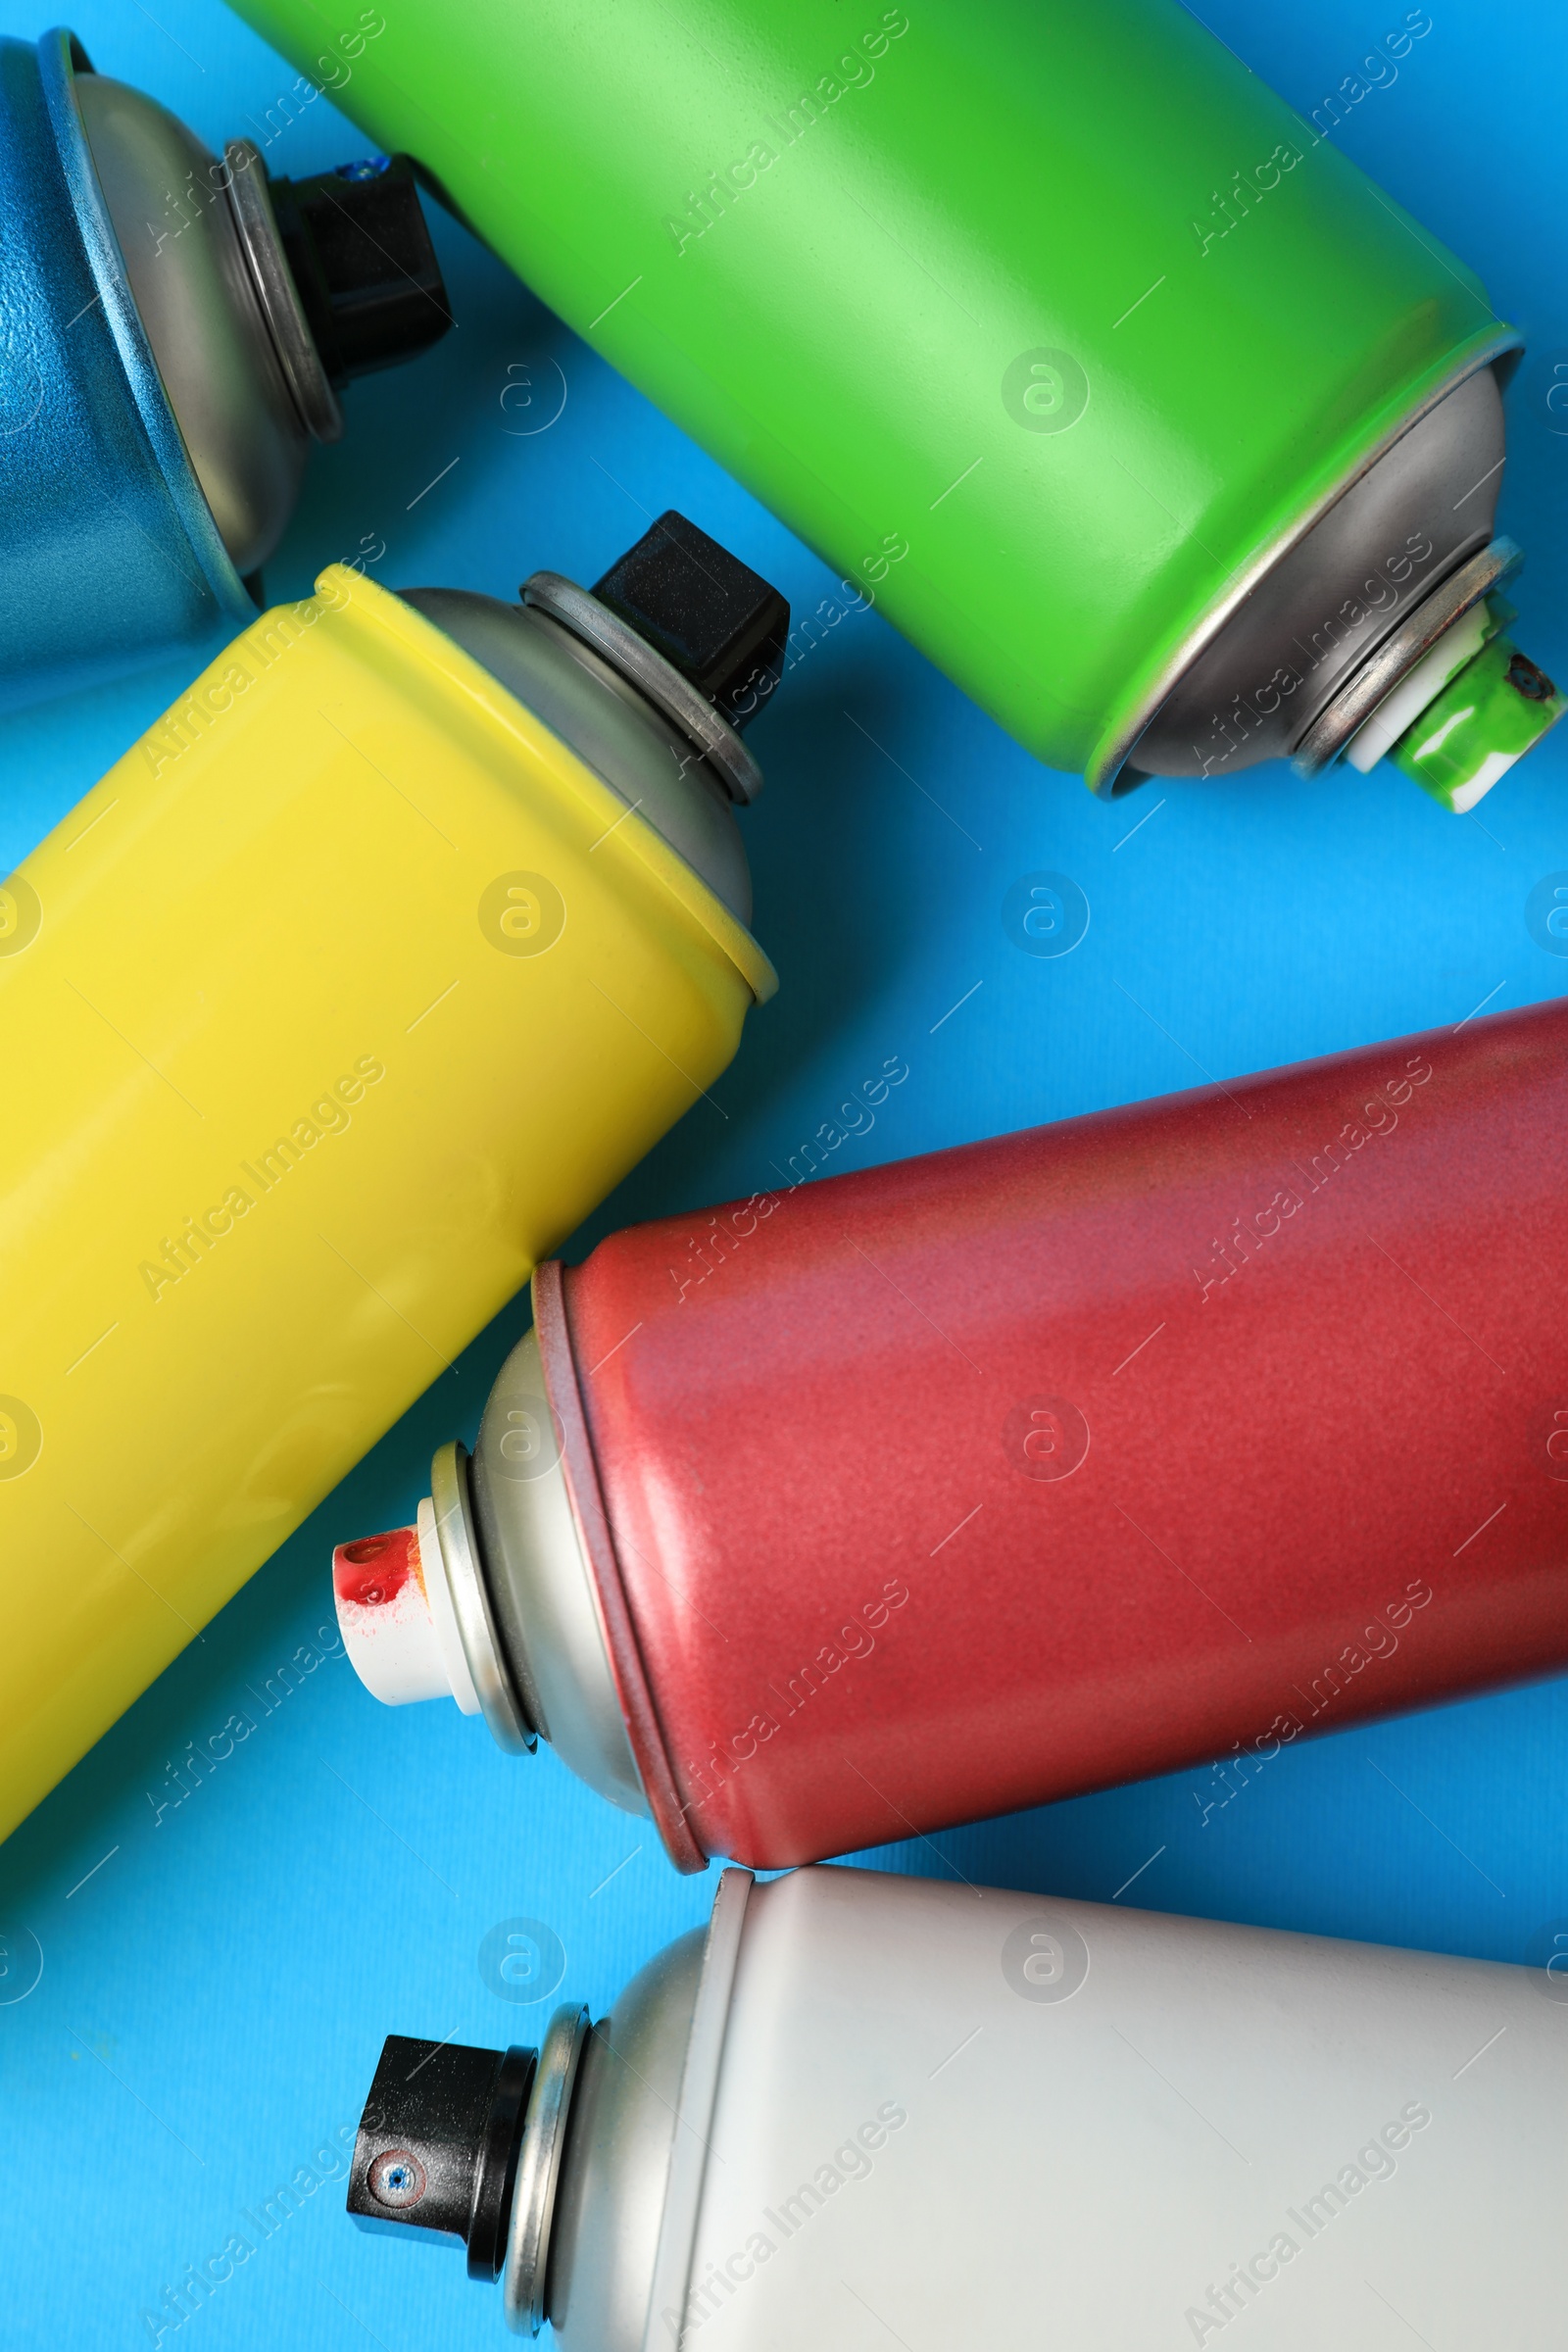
(108, 553)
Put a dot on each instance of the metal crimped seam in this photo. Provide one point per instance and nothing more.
(564, 1392)
(61, 57)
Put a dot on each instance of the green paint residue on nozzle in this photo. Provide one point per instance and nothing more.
(1484, 719)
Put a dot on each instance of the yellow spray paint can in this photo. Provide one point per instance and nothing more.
(331, 1009)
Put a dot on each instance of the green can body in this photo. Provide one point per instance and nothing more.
(1046, 321)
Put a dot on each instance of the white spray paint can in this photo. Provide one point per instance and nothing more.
(864, 2109)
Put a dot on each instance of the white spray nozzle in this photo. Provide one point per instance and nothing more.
(395, 1613)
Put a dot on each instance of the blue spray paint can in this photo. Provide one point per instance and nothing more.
(174, 328)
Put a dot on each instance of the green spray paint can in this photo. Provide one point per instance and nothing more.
(1130, 398)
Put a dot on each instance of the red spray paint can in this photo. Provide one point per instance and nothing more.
(916, 1496)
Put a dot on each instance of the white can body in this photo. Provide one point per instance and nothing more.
(948, 2117)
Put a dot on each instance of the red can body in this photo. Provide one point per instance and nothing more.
(932, 1492)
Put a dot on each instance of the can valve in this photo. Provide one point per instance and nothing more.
(1449, 699)
(438, 2146)
(395, 1613)
(713, 618)
(360, 255)
(465, 2144)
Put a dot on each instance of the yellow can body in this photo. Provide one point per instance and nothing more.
(332, 1008)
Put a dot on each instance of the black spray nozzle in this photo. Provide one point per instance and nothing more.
(360, 253)
(712, 616)
(438, 2146)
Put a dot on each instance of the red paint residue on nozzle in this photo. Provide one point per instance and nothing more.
(374, 1569)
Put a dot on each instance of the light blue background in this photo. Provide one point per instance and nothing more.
(214, 1992)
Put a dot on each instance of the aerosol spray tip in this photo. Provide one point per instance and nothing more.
(1489, 715)
(1470, 708)
(395, 1614)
